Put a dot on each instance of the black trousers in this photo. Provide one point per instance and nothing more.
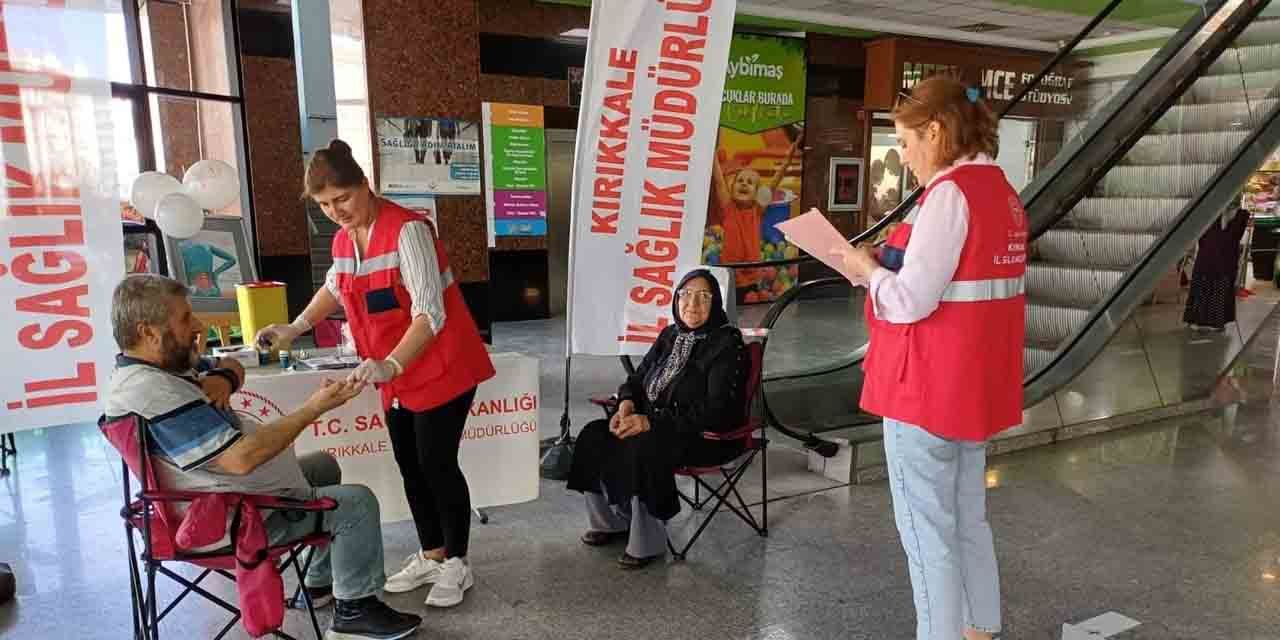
(425, 444)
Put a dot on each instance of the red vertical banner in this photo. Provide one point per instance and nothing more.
(651, 94)
(61, 244)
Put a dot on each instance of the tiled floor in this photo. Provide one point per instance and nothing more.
(1173, 524)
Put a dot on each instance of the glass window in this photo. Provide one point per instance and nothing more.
(186, 45)
(349, 80)
(69, 39)
(125, 152)
(187, 130)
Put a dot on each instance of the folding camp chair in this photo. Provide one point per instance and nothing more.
(731, 472)
(150, 515)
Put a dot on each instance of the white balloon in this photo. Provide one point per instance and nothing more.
(178, 216)
(213, 184)
(148, 188)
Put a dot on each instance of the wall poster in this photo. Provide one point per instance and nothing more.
(516, 169)
(757, 171)
(428, 155)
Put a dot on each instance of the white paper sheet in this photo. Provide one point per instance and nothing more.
(812, 232)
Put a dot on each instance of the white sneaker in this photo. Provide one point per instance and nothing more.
(417, 571)
(455, 578)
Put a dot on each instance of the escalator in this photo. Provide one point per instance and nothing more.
(1148, 163)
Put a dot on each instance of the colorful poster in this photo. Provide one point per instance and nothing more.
(756, 177)
(651, 93)
(516, 161)
(428, 155)
(61, 239)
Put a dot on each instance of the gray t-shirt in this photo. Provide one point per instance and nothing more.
(186, 433)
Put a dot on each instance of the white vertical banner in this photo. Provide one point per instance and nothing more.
(646, 134)
(61, 244)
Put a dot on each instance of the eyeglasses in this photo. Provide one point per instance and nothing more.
(691, 295)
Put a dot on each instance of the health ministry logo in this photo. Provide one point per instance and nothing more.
(751, 67)
(253, 407)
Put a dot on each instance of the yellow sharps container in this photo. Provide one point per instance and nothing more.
(261, 304)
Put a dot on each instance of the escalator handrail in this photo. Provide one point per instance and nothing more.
(898, 212)
(1124, 119)
(778, 307)
(901, 209)
(1196, 216)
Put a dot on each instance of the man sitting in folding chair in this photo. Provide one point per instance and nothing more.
(691, 381)
(200, 445)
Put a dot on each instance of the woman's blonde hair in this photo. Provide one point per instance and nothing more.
(968, 127)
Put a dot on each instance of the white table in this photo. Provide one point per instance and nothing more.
(499, 453)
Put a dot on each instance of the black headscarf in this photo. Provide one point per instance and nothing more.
(686, 338)
(717, 318)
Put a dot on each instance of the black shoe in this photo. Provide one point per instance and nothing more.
(602, 538)
(370, 619)
(7, 584)
(320, 596)
(630, 562)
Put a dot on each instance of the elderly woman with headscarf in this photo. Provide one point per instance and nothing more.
(690, 381)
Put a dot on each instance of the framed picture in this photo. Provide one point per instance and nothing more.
(141, 251)
(844, 188)
(212, 263)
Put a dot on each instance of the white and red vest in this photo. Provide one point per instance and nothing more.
(958, 372)
(379, 311)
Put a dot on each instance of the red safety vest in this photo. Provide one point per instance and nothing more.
(379, 310)
(958, 372)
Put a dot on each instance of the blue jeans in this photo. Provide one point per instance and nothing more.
(939, 503)
(352, 562)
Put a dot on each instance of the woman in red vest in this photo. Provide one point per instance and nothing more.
(945, 310)
(419, 345)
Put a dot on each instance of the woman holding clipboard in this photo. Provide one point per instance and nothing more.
(945, 309)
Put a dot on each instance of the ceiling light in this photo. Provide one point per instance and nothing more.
(576, 33)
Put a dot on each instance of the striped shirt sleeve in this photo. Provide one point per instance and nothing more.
(420, 271)
(192, 435)
(331, 283)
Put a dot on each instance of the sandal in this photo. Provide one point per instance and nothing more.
(602, 538)
(630, 562)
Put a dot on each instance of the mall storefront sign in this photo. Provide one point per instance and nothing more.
(897, 64)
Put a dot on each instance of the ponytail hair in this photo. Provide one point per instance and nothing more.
(332, 166)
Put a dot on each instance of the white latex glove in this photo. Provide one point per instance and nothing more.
(375, 371)
(277, 335)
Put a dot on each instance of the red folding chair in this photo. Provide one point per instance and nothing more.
(151, 516)
(754, 444)
(730, 473)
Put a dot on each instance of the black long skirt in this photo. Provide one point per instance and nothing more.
(1211, 301)
(641, 466)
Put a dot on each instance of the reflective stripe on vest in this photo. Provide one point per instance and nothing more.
(369, 265)
(984, 290)
(379, 263)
